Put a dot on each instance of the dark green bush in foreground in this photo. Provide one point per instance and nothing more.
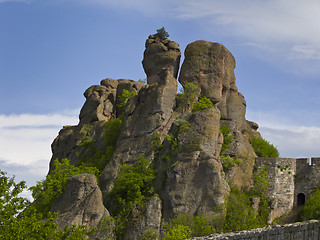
(263, 148)
(29, 224)
(311, 209)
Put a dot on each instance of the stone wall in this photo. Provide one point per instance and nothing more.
(298, 231)
(281, 172)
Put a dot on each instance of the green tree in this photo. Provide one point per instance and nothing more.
(20, 221)
(162, 33)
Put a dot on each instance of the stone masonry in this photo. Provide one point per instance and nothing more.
(291, 182)
(298, 231)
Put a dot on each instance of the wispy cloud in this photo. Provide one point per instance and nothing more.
(25, 143)
(291, 138)
(26, 138)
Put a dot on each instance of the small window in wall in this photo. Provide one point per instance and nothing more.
(301, 199)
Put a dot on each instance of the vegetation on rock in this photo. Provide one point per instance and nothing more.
(162, 33)
(19, 220)
(202, 104)
(132, 188)
(311, 209)
(188, 96)
(48, 190)
(263, 148)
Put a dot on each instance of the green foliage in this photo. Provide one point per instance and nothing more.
(188, 97)
(144, 81)
(123, 99)
(10, 201)
(29, 224)
(162, 33)
(179, 232)
(228, 162)
(261, 182)
(311, 209)
(240, 215)
(204, 103)
(98, 158)
(132, 188)
(149, 235)
(227, 139)
(49, 189)
(263, 148)
(194, 226)
(156, 144)
(184, 125)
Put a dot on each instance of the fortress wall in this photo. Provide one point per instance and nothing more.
(299, 231)
(281, 172)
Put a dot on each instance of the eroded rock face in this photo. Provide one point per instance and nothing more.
(160, 55)
(147, 221)
(189, 176)
(81, 203)
(148, 113)
(211, 66)
(194, 180)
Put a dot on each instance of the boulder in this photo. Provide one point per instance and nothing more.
(81, 204)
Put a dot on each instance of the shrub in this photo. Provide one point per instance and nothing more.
(48, 190)
(132, 188)
(263, 148)
(29, 224)
(204, 103)
(123, 99)
(94, 157)
(311, 209)
(228, 162)
(227, 139)
(162, 33)
(240, 215)
(178, 232)
(188, 96)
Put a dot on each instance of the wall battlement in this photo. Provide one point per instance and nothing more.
(292, 180)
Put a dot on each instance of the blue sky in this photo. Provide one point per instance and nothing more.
(51, 51)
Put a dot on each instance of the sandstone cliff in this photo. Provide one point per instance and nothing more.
(183, 148)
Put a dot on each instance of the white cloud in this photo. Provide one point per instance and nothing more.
(25, 143)
(26, 138)
(292, 139)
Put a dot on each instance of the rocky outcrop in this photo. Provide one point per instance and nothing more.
(160, 55)
(149, 112)
(194, 181)
(183, 148)
(81, 204)
(211, 67)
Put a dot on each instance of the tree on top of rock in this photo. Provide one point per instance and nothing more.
(162, 33)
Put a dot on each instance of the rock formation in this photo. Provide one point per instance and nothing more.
(183, 148)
